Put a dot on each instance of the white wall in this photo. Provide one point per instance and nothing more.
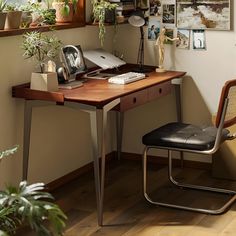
(60, 136)
(207, 71)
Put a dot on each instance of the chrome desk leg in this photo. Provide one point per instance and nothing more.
(99, 180)
(26, 141)
(177, 85)
(119, 132)
(105, 110)
(29, 104)
(94, 134)
(93, 113)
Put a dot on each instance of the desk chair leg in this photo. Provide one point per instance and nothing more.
(119, 132)
(27, 130)
(189, 186)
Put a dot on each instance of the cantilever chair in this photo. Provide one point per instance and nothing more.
(190, 138)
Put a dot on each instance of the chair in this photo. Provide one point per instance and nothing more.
(190, 138)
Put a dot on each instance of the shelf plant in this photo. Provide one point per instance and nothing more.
(64, 9)
(13, 18)
(99, 10)
(29, 205)
(3, 14)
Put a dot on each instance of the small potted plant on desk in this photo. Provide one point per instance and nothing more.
(43, 49)
(65, 10)
(29, 205)
(2, 14)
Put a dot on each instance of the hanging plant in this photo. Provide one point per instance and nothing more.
(99, 11)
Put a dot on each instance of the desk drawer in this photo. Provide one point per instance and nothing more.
(133, 100)
(159, 90)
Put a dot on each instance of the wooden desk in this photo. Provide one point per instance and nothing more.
(98, 95)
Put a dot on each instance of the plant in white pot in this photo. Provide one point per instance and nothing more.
(13, 19)
(29, 205)
(3, 14)
(42, 48)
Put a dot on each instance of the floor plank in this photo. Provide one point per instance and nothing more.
(126, 213)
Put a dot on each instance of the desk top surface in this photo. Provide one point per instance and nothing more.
(95, 92)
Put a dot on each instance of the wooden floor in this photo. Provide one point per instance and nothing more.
(126, 212)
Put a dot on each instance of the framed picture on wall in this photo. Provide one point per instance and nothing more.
(199, 39)
(198, 14)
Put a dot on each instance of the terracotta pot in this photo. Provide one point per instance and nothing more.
(60, 16)
(13, 20)
(3, 16)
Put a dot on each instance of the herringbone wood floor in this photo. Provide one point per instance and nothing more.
(126, 213)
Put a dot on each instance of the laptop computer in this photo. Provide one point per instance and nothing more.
(103, 59)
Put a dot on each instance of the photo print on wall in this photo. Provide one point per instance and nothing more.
(169, 33)
(168, 13)
(155, 8)
(153, 28)
(199, 39)
(184, 39)
(202, 14)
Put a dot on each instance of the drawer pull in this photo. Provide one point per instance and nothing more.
(160, 90)
(134, 100)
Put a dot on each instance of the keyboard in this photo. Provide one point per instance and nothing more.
(126, 78)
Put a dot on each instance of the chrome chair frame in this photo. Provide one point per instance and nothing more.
(190, 186)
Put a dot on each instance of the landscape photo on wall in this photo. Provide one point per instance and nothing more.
(202, 14)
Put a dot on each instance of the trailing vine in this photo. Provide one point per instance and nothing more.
(99, 11)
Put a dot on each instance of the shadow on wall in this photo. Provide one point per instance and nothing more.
(194, 111)
(194, 108)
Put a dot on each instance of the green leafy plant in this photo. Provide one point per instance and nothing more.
(49, 16)
(11, 7)
(40, 47)
(29, 205)
(99, 10)
(66, 7)
(2, 5)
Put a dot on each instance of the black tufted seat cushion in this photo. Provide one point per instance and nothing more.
(184, 136)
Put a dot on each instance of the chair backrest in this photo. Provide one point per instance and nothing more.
(228, 92)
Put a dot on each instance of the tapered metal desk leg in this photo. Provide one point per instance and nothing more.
(94, 134)
(105, 110)
(119, 132)
(26, 145)
(93, 113)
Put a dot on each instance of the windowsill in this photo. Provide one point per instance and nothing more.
(58, 26)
